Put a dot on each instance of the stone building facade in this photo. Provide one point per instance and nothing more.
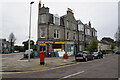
(4, 46)
(63, 33)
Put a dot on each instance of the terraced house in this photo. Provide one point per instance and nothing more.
(63, 33)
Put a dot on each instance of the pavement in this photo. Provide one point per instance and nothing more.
(15, 63)
(98, 69)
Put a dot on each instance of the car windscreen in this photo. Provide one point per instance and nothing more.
(95, 52)
(80, 53)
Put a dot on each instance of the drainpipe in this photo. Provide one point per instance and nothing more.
(47, 38)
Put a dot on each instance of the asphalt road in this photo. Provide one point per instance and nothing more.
(99, 68)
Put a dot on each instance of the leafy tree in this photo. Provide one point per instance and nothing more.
(26, 44)
(112, 46)
(88, 48)
(34, 47)
(19, 48)
(12, 40)
(93, 47)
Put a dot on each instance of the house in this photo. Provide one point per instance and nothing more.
(104, 45)
(4, 45)
(62, 33)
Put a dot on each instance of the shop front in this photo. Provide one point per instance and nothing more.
(51, 46)
(70, 48)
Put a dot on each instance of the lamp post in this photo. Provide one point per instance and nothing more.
(30, 31)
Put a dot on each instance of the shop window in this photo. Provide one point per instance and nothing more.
(42, 32)
(68, 48)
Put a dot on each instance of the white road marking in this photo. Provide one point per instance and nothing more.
(73, 74)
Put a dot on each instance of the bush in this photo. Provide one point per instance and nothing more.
(65, 54)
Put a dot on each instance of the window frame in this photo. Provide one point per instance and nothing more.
(67, 35)
(56, 34)
(43, 18)
(42, 32)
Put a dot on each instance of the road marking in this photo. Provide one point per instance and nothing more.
(73, 74)
(38, 68)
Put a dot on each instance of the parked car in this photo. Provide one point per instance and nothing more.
(16, 51)
(85, 55)
(97, 55)
(6, 52)
(117, 52)
(27, 52)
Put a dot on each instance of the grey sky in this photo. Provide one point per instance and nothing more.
(103, 15)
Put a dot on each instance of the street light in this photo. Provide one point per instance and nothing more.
(30, 31)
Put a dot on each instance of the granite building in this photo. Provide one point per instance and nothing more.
(63, 33)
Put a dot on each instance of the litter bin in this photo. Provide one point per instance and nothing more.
(42, 56)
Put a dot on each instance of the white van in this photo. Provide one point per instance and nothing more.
(27, 52)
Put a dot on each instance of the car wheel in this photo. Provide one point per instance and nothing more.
(77, 60)
(101, 56)
(25, 56)
(86, 59)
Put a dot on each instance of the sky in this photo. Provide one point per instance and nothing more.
(14, 16)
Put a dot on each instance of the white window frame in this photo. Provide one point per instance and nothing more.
(56, 18)
(43, 20)
(57, 32)
(42, 32)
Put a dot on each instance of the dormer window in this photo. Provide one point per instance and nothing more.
(80, 27)
(56, 19)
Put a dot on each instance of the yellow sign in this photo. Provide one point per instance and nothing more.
(60, 42)
(42, 44)
(49, 42)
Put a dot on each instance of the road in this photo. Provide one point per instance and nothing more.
(99, 68)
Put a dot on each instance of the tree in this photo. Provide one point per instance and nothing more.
(93, 47)
(26, 44)
(112, 46)
(12, 40)
(19, 48)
